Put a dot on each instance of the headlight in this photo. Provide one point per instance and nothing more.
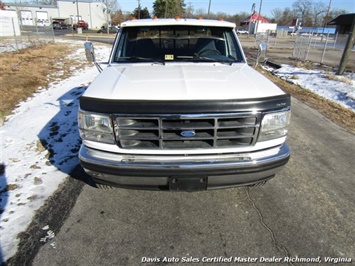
(95, 127)
(274, 125)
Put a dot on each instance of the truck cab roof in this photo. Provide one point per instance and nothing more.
(177, 21)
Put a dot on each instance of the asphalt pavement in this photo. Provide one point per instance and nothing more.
(306, 213)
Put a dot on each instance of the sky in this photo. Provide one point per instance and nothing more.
(51, 115)
(236, 6)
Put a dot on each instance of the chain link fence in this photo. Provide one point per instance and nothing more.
(315, 48)
(319, 48)
(30, 36)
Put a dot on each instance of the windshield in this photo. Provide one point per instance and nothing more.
(177, 44)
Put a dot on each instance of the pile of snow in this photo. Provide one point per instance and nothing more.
(39, 145)
(11, 45)
(338, 89)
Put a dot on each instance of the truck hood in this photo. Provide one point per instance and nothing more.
(200, 81)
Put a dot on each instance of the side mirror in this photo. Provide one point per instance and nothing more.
(262, 51)
(89, 52)
(261, 57)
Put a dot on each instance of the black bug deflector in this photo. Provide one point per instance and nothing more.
(109, 106)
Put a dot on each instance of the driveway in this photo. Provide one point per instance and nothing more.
(306, 213)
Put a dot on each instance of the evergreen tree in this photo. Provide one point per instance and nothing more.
(169, 8)
(141, 13)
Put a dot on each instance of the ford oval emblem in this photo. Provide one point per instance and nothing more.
(188, 133)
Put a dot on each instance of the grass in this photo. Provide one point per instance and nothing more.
(331, 76)
(23, 72)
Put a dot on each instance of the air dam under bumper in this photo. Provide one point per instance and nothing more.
(197, 172)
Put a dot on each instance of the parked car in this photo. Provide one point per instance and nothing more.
(80, 24)
(59, 25)
(178, 108)
(111, 29)
(241, 31)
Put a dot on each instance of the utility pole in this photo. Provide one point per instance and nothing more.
(252, 13)
(107, 17)
(77, 11)
(139, 9)
(209, 9)
(326, 18)
(258, 19)
(347, 50)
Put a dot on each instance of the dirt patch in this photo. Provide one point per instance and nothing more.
(24, 72)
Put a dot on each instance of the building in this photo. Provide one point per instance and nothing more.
(9, 25)
(256, 23)
(343, 23)
(94, 13)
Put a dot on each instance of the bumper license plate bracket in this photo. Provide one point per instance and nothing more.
(187, 183)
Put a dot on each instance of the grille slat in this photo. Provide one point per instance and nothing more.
(174, 132)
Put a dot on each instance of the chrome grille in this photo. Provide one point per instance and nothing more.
(174, 132)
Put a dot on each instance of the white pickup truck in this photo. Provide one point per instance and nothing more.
(178, 108)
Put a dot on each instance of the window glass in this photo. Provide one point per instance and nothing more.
(177, 43)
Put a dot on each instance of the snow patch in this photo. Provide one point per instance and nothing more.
(340, 90)
(39, 147)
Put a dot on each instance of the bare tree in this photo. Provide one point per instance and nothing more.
(112, 5)
(222, 15)
(335, 13)
(238, 18)
(119, 16)
(189, 10)
(201, 12)
(318, 9)
(111, 8)
(287, 16)
(303, 8)
(277, 14)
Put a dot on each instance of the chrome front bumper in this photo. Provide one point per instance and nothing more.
(159, 171)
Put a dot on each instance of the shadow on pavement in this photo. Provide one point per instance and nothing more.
(60, 136)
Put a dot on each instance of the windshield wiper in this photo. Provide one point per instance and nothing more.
(145, 59)
(228, 61)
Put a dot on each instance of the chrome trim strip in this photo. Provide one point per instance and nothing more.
(245, 160)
